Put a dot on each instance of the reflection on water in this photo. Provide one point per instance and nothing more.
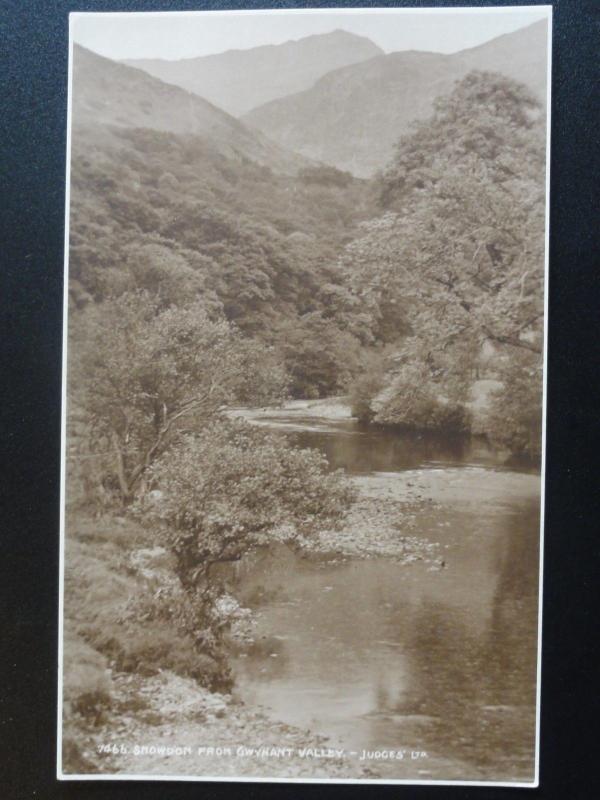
(360, 449)
(378, 655)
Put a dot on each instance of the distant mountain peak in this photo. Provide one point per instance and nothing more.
(341, 33)
(352, 116)
(239, 80)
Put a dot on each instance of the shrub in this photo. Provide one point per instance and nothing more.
(514, 418)
(415, 401)
(422, 411)
(135, 617)
(86, 682)
(148, 649)
(176, 630)
(363, 391)
(232, 487)
(319, 357)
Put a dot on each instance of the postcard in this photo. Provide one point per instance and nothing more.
(304, 396)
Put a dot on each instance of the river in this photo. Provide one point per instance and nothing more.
(380, 655)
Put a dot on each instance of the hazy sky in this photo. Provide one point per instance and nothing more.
(188, 34)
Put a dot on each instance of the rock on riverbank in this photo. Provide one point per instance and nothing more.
(168, 725)
(389, 506)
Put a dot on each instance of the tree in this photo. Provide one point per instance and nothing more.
(233, 487)
(171, 214)
(162, 270)
(319, 358)
(514, 418)
(460, 244)
(139, 372)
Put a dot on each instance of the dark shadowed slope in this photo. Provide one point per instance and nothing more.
(239, 80)
(352, 117)
(106, 94)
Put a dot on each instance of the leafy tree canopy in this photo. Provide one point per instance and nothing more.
(140, 371)
(459, 247)
(225, 491)
(461, 242)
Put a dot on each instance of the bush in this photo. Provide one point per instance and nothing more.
(148, 649)
(86, 682)
(132, 614)
(425, 413)
(234, 487)
(514, 418)
(319, 357)
(364, 390)
(422, 396)
(176, 630)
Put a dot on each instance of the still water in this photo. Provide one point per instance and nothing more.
(378, 655)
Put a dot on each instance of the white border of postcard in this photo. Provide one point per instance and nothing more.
(537, 9)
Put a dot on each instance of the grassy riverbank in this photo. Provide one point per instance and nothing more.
(134, 686)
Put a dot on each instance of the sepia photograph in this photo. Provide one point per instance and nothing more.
(304, 396)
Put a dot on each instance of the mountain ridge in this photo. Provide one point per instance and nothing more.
(107, 94)
(240, 79)
(352, 117)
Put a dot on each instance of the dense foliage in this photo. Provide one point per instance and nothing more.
(460, 245)
(151, 208)
(514, 419)
(413, 402)
(139, 372)
(173, 216)
(319, 357)
(234, 487)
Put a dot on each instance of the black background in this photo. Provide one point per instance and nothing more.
(33, 44)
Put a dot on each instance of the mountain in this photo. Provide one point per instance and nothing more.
(352, 117)
(171, 195)
(239, 80)
(521, 55)
(106, 94)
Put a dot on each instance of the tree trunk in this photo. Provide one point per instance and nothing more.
(124, 487)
